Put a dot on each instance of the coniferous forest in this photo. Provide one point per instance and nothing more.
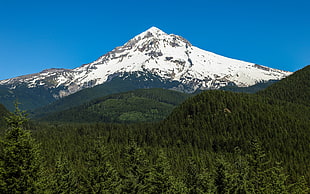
(211, 142)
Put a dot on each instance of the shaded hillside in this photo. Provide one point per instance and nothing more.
(30, 98)
(127, 82)
(220, 121)
(295, 88)
(144, 105)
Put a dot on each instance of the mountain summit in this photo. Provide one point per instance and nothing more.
(167, 57)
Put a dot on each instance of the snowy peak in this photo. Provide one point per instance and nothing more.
(153, 31)
(155, 38)
(168, 56)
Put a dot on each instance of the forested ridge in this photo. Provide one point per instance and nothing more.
(143, 105)
(294, 88)
(214, 142)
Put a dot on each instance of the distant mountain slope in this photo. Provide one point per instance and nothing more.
(144, 105)
(295, 88)
(30, 98)
(251, 89)
(220, 121)
(127, 82)
(167, 56)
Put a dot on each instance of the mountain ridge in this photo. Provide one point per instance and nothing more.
(168, 56)
(150, 47)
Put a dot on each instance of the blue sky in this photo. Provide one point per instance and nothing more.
(41, 34)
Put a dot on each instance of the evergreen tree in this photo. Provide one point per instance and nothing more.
(265, 178)
(137, 170)
(205, 182)
(20, 160)
(276, 180)
(161, 178)
(223, 179)
(240, 179)
(300, 187)
(63, 179)
(192, 176)
(258, 166)
(101, 176)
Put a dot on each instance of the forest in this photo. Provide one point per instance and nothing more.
(213, 142)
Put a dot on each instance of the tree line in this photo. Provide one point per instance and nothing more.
(138, 168)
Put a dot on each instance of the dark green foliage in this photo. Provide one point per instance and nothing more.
(161, 179)
(223, 179)
(63, 179)
(136, 170)
(220, 121)
(20, 161)
(295, 88)
(100, 175)
(3, 113)
(144, 105)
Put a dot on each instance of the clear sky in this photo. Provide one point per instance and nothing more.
(41, 34)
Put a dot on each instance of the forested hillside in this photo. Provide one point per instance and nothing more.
(295, 88)
(31, 98)
(220, 121)
(209, 134)
(124, 83)
(144, 105)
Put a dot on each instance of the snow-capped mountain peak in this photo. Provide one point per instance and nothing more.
(167, 56)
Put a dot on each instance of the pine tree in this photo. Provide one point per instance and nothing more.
(300, 187)
(258, 166)
(240, 179)
(205, 182)
(137, 169)
(63, 179)
(223, 179)
(161, 178)
(198, 180)
(191, 176)
(265, 178)
(101, 176)
(20, 162)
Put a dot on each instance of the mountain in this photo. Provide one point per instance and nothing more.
(169, 57)
(295, 88)
(143, 105)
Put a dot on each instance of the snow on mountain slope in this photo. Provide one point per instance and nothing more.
(170, 57)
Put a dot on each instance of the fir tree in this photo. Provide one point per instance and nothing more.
(223, 178)
(192, 176)
(20, 162)
(240, 178)
(137, 169)
(258, 165)
(101, 176)
(63, 179)
(300, 187)
(161, 178)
